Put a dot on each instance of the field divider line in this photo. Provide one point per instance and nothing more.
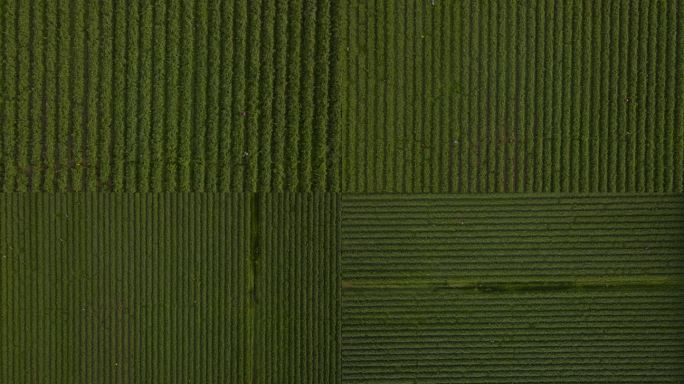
(511, 286)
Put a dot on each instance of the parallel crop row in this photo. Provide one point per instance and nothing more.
(501, 288)
(168, 96)
(237, 288)
(495, 96)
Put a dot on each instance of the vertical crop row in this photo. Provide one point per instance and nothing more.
(145, 80)
(252, 78)
(293, 92)
(226, 106)
(3, 88)
(24, 68)
(309, 16)
(63, 100)
(92, 85)
(37, 79)
(265, 122)
(198, 159)
(118, 103)
(158, 109)
(185, 93)
(213, 110)
(238, 161)
(77, 96)
(104, 116)
(49, 95)
(282, 45)
(321, 97)
(172, 94)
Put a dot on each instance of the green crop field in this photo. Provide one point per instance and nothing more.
(341, 191)
(169, 96)
(507, 96)
(512, 288)
(357, 96)
(180, 288)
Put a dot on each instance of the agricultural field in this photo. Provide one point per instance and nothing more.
(341, 191)
(506, 96)
(512, 288)
(342, 95)
(199, 288)
(169, 96)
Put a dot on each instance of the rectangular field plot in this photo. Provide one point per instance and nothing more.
(506, 96)
(505, 288)
(210, 288)
(169, 96)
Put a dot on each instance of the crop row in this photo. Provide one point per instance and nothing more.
(168, 95)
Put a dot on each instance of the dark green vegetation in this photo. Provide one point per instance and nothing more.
(504, 288)
(199, 288)
(433, 96)
(557, 127)
(298, 290)
(513, 96)
(174, 95)
(376, 288)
